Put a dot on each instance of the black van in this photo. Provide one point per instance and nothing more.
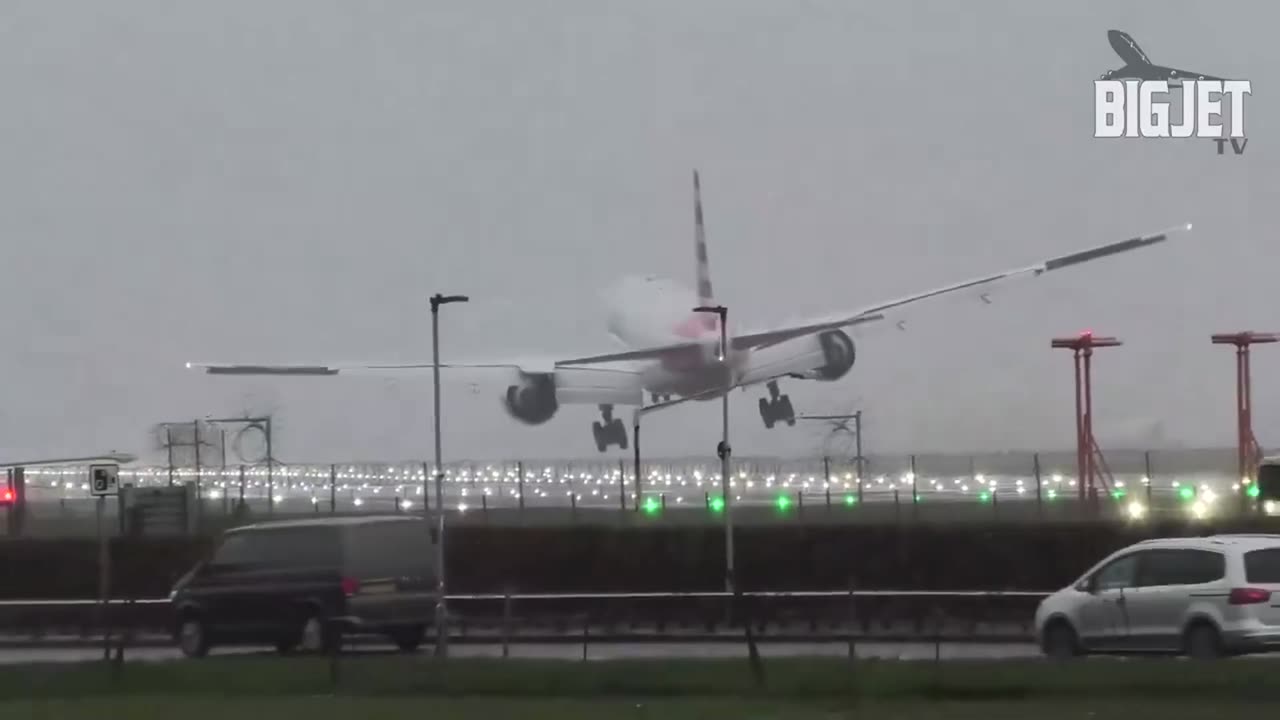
(302, 583)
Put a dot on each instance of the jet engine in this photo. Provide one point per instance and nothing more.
(533, 401)
(838, 352)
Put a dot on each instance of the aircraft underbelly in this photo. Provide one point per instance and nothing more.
(685, 383)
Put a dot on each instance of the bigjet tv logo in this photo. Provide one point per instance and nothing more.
(1136, 101)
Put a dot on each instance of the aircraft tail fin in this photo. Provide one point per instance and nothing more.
(705, 294)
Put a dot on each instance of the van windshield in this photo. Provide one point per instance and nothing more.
(395, 548)
(1269, 481)
(1262, 566)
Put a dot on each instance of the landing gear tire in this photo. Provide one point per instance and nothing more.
(609, 433)
(766, 413)
(784, 410)
(777, 410)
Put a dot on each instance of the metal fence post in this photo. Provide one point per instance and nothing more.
(1035, 463)
(520, 486)
(506, 623)
(333, 489)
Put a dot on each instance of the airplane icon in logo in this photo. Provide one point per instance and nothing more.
(1138, 66)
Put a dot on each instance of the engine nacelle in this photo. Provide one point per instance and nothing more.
(533, 401)
(839, 353)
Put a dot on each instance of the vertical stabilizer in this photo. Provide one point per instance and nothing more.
(705, 296)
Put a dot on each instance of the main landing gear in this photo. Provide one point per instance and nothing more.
(777, 407)
(610, 432)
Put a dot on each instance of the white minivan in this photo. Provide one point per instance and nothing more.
(1200, 596)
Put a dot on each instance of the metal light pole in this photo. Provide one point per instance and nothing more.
(723, 450)
(442, 632)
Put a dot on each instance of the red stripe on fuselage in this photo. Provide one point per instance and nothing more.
(695, 327)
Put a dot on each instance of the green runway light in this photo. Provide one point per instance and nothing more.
(1187, 493)
(652, 506)
(717, 505)
(783, 502)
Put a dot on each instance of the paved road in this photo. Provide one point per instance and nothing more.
(602, 651)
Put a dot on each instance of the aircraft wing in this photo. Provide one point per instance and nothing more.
(878, 310)
(336, 368)
(574, 385)
(1176, 74)
(399, 369)
(385, 369)
(592, 376)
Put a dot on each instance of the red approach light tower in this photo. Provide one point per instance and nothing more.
(1246, 444)
(1090, 465)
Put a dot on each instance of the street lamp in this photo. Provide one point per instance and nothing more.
(442, 634)
(723, 449)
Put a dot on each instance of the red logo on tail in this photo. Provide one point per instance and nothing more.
(696, 326)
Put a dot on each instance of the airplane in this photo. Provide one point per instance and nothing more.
(1138, 66)
(672, 350)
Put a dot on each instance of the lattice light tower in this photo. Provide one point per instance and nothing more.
(1248, 451)
(1090, 465)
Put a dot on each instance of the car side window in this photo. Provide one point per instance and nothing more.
(1181, 567)
(303, 547)
(235, 550)
(1120, 573)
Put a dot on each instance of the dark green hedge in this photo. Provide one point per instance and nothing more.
(637, 559)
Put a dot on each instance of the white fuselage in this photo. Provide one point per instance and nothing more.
(649, 311)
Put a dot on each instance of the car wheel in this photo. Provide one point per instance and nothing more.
(1203, 642)
(193, 640)
(408, 639)
(1060, 642)
(312, 637)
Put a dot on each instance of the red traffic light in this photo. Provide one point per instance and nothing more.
(6, 497)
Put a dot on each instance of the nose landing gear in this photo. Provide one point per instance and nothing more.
(611, 431)
(776, 408)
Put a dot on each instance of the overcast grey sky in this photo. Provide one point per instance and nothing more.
(289, 180)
